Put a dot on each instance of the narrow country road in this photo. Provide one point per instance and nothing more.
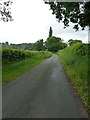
(43, 92)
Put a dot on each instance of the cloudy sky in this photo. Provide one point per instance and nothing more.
(32, 20)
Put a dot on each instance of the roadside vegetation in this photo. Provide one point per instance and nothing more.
(52, 44)
(16, 61)
(75, 62)
(74, 58)
(18, 58)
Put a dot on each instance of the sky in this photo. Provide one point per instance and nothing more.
(32, 20)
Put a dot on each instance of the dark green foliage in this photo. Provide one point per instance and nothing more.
(11, 55)
(71, 42)
(54, 44)
(57, 46)
(54, 47)
(50, 32)
(82, 50)
(53, 39)
(75, 12)
(5, 45)
(39, 45)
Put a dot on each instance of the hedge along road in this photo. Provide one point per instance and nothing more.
(43, 92)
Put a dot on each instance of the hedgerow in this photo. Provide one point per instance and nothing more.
(75, 60)
(10, 55)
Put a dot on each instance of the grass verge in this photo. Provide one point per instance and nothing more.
(75, 62)
(14, 69)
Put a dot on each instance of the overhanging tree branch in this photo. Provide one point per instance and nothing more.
(5, 10)
(76, 12)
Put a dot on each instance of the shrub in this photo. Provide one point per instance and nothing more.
(11, 55)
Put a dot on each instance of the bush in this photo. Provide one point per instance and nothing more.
(11, 55)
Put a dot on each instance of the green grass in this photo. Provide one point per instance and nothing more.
(75, 62)
(14, 69)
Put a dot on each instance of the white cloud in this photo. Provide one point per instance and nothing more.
(32, 20)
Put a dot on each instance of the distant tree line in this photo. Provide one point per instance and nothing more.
(52, 44)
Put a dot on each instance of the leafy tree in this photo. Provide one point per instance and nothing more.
(57, 46)
(50, 31)
(5, 10)
(39, 45)
(54, 44)
(54, 47)
(6, 43)
(52, 39)
(75, 12)
(63, 45)
(71, 42)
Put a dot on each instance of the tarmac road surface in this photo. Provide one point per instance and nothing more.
(43, 92)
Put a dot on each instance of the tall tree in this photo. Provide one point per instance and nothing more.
(39, 45)
(75, 12)
(50, 31)
(54, 44)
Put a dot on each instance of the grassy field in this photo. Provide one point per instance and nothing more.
(11, 70)
(75, 62)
